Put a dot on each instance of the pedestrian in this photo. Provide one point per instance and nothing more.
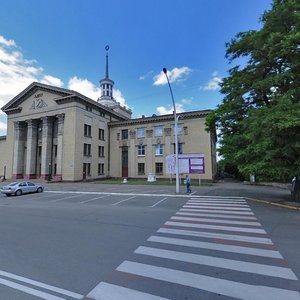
(188, 184)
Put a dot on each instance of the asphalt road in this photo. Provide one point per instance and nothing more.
(77, 241)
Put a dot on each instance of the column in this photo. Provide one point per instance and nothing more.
(46, 163)
(30, 172)
(60, 132)
(18, 162)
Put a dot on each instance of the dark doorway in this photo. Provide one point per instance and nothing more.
(125, 162)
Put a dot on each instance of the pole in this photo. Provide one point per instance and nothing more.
(176, 134)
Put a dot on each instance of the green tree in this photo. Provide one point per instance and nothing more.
(259, 118)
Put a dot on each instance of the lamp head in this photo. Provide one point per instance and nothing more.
(165, 70)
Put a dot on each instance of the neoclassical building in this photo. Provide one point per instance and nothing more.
(59, 134)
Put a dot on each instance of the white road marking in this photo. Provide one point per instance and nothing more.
(93, 199)
(61, 199)
(29, 290)
(218, 262)
(124, 200)
(41, 285)
(159, 202)
(217, 210)
(212, 235)
(217, 204)
(195, 214)
(216, 246)
(216, 221)
(221, 200)
(107, 291)
(216, 227)
(211, 284)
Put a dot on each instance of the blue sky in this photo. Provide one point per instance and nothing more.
(61, 42)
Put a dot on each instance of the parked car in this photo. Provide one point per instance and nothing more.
(23, 187)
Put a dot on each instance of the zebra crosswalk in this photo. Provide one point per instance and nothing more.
(210, 249)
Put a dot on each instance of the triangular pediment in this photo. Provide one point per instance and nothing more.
(35, 96)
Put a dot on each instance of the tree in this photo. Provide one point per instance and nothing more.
(259, 118)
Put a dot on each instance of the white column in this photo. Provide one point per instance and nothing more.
(18, 163)
(60, 132)
(46, 163)
(31, 149)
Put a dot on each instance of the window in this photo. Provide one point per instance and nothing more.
(141, 132)
(87, 169)
(141, 150)
(124, 134)
(87, 130)
(158, 131)
(101, 151)
(87, 149)
(55, 150)
(159, 168)
(88, 108)
(180, 148)
(100, 169)
(141, 169)
(179, 129)
(102, 114)
(158, 149)
(101, 134)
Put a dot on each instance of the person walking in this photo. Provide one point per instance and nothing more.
(188, 184)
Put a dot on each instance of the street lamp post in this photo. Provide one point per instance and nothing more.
(175, 133)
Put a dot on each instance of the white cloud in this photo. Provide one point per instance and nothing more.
(16, 72)
(186, 101)
(213, 84)
(48, 79)
(119, 97)
(3, 126)
(143, 77)
(162, 110)
(175, 74)
(6, 42)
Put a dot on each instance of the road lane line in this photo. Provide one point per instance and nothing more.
(216, 221)
(216, 227)
(195, 214)
(159, 202)
(217, 210)
(217, 204)
(29, 290)
(41, 285)
(107, 291)
(228, 200)
(93, 199)
(61, 199)
(213, 235)
(218, 262)
(217, 247)
(211, 284)
(124, 200)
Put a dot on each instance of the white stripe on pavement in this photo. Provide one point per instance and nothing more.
(159, 202)
(216, 216)
(41, 285)
(29, 290)
(218, 200)
(216, 227)
(61, 199)
(217, 247)
(218, 262)
(217, 210)
(211, 284)
(217, 204)
(212, 235)
(216, 221)
(93, 199)
(107, 291)
(124, 200)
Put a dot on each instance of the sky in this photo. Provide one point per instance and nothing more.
(62, 43)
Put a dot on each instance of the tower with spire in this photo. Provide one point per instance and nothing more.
(107, 85)
(106, 97)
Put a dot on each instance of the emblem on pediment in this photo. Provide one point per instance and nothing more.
(38, 103)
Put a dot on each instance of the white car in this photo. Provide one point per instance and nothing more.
(22, 187)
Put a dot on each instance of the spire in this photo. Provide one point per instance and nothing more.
(106, 71)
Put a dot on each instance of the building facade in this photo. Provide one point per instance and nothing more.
(59, 134)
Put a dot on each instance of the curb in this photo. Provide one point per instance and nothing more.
(274, 203)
